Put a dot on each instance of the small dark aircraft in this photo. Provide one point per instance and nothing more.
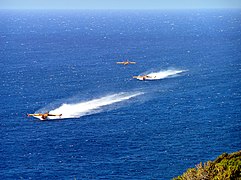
(44, 116)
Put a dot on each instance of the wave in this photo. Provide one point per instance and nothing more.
(77, 110)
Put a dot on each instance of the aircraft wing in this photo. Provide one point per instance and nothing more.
(54, 114)
(34, 114)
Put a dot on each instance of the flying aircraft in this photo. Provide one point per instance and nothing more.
(126, 62)
(45, 115)
(144, 77)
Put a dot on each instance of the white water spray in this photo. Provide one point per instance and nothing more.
(90, 107)
(164, 74)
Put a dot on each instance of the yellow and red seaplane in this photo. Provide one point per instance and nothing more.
(126, 62)
(144, 77)
(44, 116)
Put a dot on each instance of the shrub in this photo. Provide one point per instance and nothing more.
(225, 167)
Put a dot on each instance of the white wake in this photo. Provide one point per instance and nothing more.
(77, 110)
(164, 74)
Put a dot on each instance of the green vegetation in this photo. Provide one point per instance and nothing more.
(225, 167)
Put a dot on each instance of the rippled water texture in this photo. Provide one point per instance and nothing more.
(114, 126)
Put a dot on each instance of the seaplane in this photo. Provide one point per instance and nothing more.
(44, 116)
(126, 62)
(144, 77)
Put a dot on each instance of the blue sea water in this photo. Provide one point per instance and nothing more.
(50, 58)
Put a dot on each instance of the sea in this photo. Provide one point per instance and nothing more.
(114, 126)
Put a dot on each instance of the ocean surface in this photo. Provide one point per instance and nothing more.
(114, 126)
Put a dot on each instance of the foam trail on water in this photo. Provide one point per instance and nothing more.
(90, 107)
(164, 74)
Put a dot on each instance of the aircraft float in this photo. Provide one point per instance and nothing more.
(44, 116)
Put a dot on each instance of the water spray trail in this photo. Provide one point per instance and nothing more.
(90, 107)
(164, 74)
